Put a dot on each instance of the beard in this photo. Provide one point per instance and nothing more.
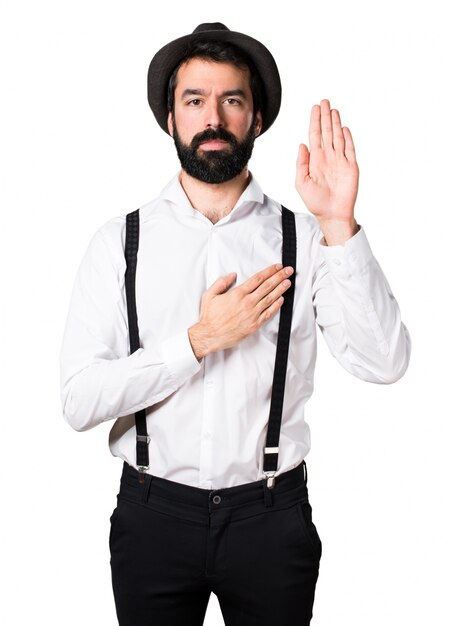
(215, 166)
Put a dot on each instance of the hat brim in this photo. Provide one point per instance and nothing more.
(165, 61)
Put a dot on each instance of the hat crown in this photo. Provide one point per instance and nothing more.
(210, 26)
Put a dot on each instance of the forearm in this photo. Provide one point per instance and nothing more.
(359, 315)
(97, 389)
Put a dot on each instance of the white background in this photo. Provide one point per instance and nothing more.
(79, 145)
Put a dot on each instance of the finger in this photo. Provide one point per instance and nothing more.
(338, 140)
(257, 279)
(273, 295)
(326, 124)
(349, 145)
(315, 128)
(272, 272)
(263, 295)
(267, 313)
(302, 162)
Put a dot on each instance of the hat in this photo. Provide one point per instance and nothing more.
(166, 60)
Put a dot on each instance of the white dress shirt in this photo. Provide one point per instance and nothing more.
(207, 421)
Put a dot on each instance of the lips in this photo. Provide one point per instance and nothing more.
(214, 144)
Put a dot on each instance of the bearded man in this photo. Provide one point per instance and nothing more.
(192, 325)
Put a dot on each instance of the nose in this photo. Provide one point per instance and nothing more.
(213, 115)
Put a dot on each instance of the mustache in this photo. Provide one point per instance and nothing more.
(210, 134)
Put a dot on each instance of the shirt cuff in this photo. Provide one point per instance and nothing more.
(351, 257)
(178, 356)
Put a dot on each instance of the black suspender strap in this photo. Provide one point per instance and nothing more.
(271, 451)
(131, 248)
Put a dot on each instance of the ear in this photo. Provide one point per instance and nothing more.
(258, 123)
(170, 123)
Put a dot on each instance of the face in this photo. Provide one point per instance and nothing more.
(213, 125)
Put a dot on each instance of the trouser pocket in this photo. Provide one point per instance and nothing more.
(308, 528)
(113, 521)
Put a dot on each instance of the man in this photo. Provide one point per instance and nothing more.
(216, 502)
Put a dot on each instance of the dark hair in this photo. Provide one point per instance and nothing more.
(221, 52)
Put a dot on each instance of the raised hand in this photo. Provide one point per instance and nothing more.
(327, 176)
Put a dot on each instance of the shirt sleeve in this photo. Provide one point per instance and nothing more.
(357, 312)
(99, 379)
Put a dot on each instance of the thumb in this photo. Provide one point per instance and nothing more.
(222, 284)
(302, 163)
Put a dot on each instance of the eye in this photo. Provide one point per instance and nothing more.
(232, 100)
(194, 102)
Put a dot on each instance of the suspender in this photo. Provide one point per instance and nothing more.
(131, 247)
(271, 450)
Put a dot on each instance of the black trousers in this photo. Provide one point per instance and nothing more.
(172, 544)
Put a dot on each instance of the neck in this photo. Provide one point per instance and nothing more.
(214, 201)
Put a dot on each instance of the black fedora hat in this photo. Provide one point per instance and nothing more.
(165, 61)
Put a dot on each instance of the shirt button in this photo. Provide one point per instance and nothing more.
(209, 382)
(337, 261)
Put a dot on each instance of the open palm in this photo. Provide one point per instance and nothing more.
(327, 176)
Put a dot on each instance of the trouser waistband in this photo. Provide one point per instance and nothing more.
(198, 504)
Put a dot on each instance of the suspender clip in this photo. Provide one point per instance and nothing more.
(144, 438)
(270, 474)
(142, 471)
(270, 479)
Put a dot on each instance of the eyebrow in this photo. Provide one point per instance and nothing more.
(201, 92)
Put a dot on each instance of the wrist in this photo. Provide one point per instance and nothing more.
(337, 232)
(198, 341)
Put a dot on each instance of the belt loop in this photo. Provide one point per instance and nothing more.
(146, 487)
(305, 472)
(267, 493)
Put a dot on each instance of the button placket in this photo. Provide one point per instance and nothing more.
(207, 428)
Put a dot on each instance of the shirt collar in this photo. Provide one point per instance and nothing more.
(175, 193)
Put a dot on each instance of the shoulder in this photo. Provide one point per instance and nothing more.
(110, 237)
(308, 235)
(307, 227)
